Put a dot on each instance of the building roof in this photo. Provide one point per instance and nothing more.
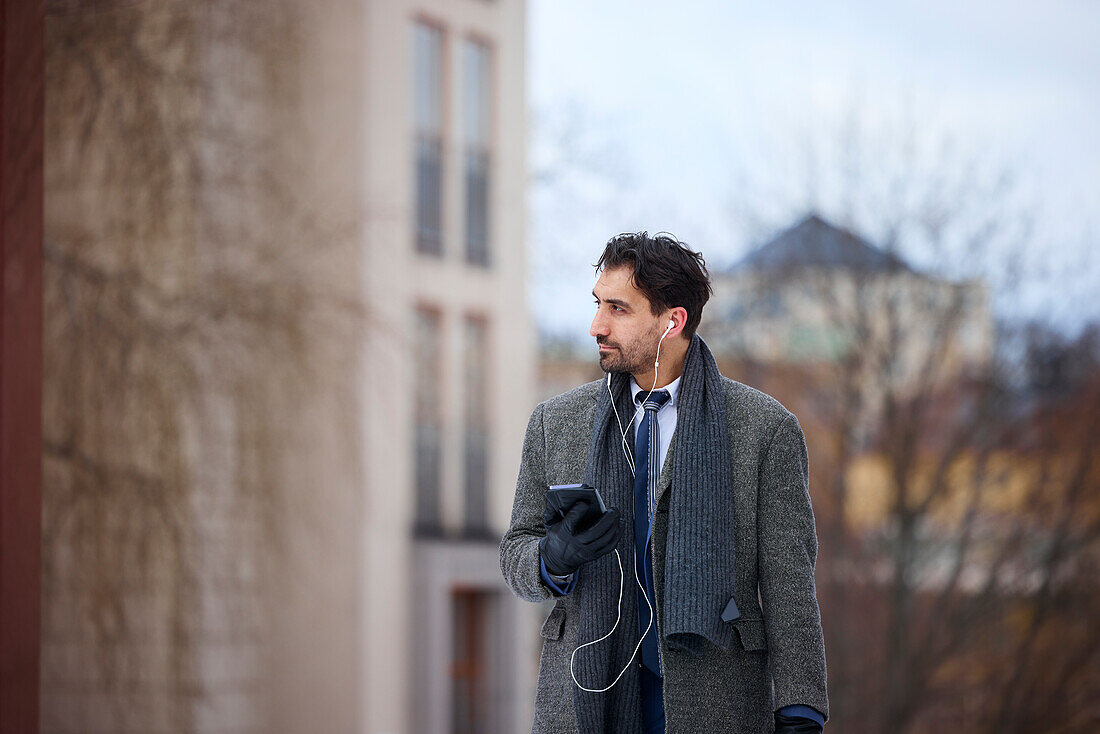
(813, 242)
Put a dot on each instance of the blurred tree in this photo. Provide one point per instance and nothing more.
(579, 192)
(958, 505)
(200, 334)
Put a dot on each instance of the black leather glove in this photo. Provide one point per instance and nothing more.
(566, 547)
(795, 725)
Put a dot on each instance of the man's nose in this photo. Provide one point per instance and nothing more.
(599, 325)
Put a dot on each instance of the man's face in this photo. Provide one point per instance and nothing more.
(624, 326)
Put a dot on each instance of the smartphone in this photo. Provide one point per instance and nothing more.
(562, 497)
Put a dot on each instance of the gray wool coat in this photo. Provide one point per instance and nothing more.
(778, 657)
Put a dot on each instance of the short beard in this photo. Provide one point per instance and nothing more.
(634, 357)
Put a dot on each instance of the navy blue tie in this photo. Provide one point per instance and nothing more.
(647, 446)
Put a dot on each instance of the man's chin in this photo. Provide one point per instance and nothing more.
(612, 362)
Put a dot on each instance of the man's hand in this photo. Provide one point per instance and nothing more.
(795, 725)
(565, 549)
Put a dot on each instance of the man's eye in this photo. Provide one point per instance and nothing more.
(612, 306)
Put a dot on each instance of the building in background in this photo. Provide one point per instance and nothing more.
(807, 298)
(815, 291)
(449, 649)
(288, 366)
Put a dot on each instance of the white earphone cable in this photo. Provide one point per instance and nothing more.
(618, 558)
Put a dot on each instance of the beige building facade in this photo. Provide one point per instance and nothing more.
(288, 367)
(450, 378)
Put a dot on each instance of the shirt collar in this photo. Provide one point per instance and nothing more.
(672, 387)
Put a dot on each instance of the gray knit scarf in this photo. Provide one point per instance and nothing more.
(699, 572)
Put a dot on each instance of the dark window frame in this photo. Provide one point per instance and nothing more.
(478, 156)
(428, 419)
(429, 141)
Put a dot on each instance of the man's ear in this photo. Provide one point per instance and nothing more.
(678, 315)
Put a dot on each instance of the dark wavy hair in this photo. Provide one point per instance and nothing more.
(665, 270)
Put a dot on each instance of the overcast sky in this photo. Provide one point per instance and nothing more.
(697, 117)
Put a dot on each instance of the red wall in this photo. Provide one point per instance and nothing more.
(21, 105)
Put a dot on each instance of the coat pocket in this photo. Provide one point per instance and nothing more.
(751, 632)
(554, 625)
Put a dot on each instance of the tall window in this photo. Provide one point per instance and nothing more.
(476, 105)
(470, 702)
(428, 421)
(476, 423)
(427, 115)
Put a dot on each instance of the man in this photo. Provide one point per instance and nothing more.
(709, 479)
